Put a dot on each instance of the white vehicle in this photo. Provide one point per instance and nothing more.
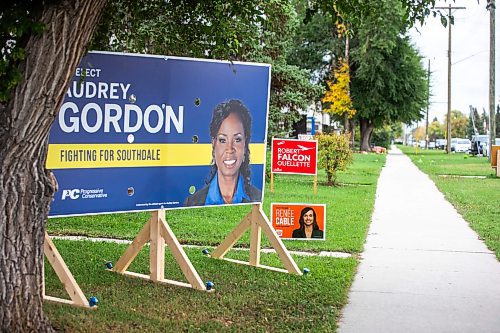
(441, 143)
(480, 145)
(459, 145)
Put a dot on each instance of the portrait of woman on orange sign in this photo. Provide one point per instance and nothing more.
(229, 181)
(308, 225)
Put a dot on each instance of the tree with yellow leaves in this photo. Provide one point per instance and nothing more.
(337, 98)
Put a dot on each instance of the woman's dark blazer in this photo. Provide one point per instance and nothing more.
(198, 198)
(299, 233)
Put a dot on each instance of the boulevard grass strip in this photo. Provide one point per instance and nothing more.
(476, 199)
(349, 208)
(245, 299)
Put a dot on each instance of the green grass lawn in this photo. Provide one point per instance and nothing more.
(246, 298)
(476, 199)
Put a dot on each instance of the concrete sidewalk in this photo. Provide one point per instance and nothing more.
(423, 269)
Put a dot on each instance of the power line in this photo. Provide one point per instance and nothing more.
(472, 55)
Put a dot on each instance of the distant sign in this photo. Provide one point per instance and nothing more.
(134, 134)
(299, 220)
(294, 156)
(305, 137)
(494, 153)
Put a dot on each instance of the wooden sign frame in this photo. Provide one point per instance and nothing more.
(257, 222)
(158, 233)
(65, 276)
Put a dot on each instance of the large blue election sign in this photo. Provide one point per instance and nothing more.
(142, 132)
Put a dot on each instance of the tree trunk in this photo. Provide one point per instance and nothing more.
(366, 128)
(352, 125)
(346, 123)
(26, 188)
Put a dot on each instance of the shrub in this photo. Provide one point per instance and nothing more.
(382, 137)
(334, 154)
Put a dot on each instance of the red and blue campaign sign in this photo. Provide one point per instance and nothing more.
(294, 156)
(140, 132)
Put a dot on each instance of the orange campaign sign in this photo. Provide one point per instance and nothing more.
(299, 220)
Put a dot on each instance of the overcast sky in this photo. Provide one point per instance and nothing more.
(470, 57)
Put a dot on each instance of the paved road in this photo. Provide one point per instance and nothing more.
(423, 268)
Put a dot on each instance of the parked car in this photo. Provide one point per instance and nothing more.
(459, 145)
(431, 145)
(441, 143)
(453, 143)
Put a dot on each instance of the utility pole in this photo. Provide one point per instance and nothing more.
(448, 115)
(428, 98)
(491, 8)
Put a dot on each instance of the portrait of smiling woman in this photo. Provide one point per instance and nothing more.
(308, 225)
(229, 181)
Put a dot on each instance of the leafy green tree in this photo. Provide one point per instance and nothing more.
(389, 83)
(316, 44)
(209, 29)
(459, 123)
(435, 130)
(291, 91)
(353, 10)
(291, 88)
(397, 130)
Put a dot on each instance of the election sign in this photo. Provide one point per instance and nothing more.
(299, 220)
(140, 132)
(305, 137)
(294, 156)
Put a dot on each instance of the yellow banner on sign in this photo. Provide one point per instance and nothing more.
(117, 155)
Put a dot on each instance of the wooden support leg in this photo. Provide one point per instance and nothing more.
(233, 237)
(156, 247)
(498, 164)
(272, 182)
(180, 256)
(255, 239)
(277, 244)
(131, 252)
(159, 234)
(315, 184)
(64, 274)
